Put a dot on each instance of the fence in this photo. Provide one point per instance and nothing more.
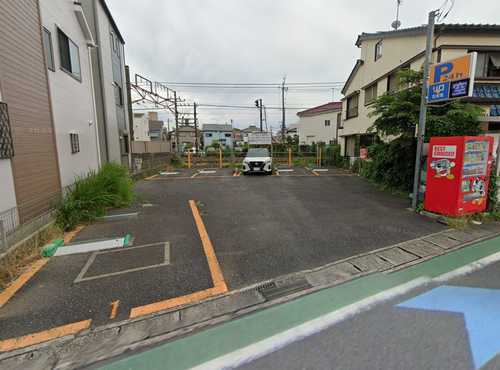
(322, 156)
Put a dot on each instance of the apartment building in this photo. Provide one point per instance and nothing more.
(384, 54)
(147, 127)
(320, 124)
(214, 133)
(108, 66)
(68, 42)
(29, 170)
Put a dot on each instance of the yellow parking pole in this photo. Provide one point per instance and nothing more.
(289, 157)
(189, 159)
(220, 158)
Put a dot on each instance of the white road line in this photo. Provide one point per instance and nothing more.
(90, 247)
(278, 341)
(168, 173)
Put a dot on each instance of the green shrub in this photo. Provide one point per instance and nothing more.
(392, 164)
(90, 196)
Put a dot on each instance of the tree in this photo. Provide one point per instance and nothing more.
(397, 112)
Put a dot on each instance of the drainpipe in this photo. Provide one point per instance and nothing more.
(94, 105)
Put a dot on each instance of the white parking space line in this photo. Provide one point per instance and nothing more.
(286, 170)
(168, 173)
(320, 170)
(207, 171)
(90, 247)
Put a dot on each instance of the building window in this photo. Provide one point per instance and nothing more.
(113, 43)
(75, 143)
(69, 54)
(227, 135)
(352, 106)
(208, 134)
(378, 49)
(339, 120)
(118, 95)
(371, 94)
(6, 144)
(49, 50)
(327, 122)
(392, 82)
(488, 65)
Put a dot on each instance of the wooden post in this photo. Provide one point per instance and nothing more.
(220, 157)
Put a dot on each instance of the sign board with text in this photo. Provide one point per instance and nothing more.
(259, 138)
(452, 79)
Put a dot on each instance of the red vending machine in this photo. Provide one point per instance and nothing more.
(458, 171)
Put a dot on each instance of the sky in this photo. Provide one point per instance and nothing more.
(261, 41)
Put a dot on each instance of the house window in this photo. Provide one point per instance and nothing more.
(49, 50)
(6, 144)
(392, 82)
(339, 120)
(327, 122)
(208, 134)
(378, 49)
(227, 135)
(352, 105)
(371, 94)
(75, 143)
(488, 65)
(69, 54)
(118, 95)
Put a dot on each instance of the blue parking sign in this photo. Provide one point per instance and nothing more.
(439, 91)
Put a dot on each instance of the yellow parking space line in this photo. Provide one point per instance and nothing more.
(43, 336)
(114, 309)
(175, 302)
(315, 173)
(151, 177)
(69, 236)
(21, 280)
(219, 287)
(213, 263)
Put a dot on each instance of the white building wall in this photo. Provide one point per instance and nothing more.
(141, 128)
(312, 128)
(72, 103)
(104, 44)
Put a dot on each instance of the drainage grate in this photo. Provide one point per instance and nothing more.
(272, 291)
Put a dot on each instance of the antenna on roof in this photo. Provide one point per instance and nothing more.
(397, 23)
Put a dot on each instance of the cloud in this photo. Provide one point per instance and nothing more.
(261, 41)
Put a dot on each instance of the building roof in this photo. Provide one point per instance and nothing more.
(217, 127)
(112, 21)
(251, 128)
(321, 109)
(439, 29)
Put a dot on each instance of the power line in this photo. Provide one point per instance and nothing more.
(201, 105)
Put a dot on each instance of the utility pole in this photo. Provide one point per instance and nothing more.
(176, 112)
(195, 128)
(283, 124)
(423, 108)
(258, 104)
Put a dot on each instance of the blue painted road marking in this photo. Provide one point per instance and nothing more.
(481, 310)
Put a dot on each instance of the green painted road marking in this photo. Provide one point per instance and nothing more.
(219, 340)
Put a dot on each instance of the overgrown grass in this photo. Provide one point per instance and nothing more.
(90, 196)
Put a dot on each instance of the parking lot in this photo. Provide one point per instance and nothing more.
(199, 233)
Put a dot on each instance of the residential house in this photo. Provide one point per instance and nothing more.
(29, 169)
(237, 137)
(250, 129)
(108, 66)
(222, 134)
(67, 44)
(384, 54)
(320, 124)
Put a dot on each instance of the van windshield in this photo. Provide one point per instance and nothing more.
(258, 152)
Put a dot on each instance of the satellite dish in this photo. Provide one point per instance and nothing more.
(396, 24)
